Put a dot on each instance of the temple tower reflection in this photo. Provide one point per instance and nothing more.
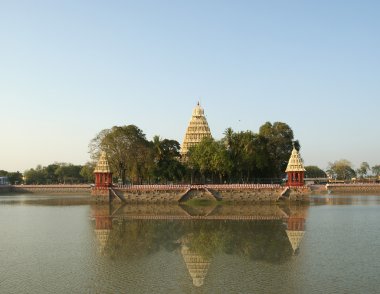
(196, 264)
(103, 226)
(296, 228)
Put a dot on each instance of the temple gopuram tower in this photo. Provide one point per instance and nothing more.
(197, 130)
(102, 172)
(295, 169)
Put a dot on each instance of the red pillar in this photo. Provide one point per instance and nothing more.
(103, 180)
(97, 184)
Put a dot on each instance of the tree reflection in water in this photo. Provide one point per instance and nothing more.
(123, 236)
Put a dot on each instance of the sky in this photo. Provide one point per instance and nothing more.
(69, 69)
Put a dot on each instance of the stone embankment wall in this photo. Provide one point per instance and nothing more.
(353, 188)
(172, 193)
(55, 189)
(299, 193)
(233, 193)
(160, 196)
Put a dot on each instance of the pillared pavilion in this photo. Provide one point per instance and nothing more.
(197, 130)
(103, 174)
(295, 169)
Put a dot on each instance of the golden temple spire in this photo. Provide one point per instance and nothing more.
(197, 130)
(295, 163)
(102, 166)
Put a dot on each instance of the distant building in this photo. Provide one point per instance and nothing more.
(197, 130)
(4, 181)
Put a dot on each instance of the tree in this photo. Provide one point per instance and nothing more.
(341, 170)
(200, 157)
(35, 176)
(15, 177)
(376, 170)
(166, 164)
(279, 138)
(127, 150)
(363, 169)
(67, 172)
(51, 173)
(210, 158)
(313, 171)
(221, 163)
(87, 172)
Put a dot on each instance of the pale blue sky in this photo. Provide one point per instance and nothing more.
(69, 69)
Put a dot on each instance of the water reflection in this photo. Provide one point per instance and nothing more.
(345, 199)
(267, 233)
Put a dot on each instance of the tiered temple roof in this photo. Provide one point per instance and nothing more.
(197, 130)
(102, 165)
(102, 235)
(196, 264)
(295, 238)
(295, 163)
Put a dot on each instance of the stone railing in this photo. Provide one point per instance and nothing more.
(243, 186)
(51, 188)
(197, 187)
(357, 187)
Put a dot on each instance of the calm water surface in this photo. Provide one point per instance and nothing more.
(58, 244)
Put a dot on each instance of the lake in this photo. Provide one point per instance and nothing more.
(66, 244)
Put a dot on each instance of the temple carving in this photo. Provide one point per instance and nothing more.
(197, 130)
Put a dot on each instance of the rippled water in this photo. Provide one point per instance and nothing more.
(65, 244)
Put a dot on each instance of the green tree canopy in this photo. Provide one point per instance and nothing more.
(376, 170)
(341, 170)
(238, 157)
(279, 138)
(363, 169)
(15, 178)
(210, 158)
(244, 156)
(313, 171)
(87, 172)
(167, 167)
(124, 147)
(65, 173)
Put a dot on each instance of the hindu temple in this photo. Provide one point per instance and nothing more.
(102, 172)
(295, 169)
(197, 130)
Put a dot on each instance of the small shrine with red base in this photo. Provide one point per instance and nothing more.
(103, 176)
(295, 170)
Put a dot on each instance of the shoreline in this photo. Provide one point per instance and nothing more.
(171, 193)
(352, 188)
(181, 193)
